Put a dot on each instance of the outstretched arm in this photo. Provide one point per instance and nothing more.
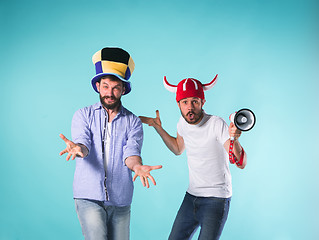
(175, 144)
(73, 149)
(143, 171)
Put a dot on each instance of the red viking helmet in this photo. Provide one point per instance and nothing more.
(189, 87)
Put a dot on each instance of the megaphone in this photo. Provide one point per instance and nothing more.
(243, 119)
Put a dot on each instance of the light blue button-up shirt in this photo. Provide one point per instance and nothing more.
(126, 140)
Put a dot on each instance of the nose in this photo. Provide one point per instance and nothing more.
(190, 106)
(109, 92)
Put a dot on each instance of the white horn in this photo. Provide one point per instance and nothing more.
(168, 86)
(211, 84)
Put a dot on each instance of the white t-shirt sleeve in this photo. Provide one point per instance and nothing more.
(180, 127)
(223, 131)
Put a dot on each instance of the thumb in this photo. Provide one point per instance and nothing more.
(156, 167)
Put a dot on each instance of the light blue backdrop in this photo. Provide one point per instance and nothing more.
(266, 54)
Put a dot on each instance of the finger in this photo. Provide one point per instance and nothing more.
(73, 156)
(237, 135)
(147, 184)
(144, 119)
(157, 114)
(156, 167)
(135, 176)
(235, 130)
(238, 131)
(80, 154)
(142, 180)
(63, 137)
(68, 157)
(62, 152)
(152, 179)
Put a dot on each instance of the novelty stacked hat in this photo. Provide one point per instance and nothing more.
(189, 87)
(113, 61)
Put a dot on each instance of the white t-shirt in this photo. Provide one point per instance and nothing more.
(209, 174)
(107, 139)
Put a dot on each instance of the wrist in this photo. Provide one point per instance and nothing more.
(136, 167)
(84, 149)
(233, 138)
(159, 129)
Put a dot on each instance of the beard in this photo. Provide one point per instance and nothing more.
(192, 117)
(115, 104)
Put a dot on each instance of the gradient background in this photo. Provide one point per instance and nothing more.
(266, 54)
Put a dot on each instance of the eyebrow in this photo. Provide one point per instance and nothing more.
(104, 83)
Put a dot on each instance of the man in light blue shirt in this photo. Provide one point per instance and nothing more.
(106, 142)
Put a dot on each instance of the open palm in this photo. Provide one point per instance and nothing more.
(72, 149)
(153, 122)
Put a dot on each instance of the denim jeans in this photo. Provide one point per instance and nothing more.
(102, 222)
(208, 213)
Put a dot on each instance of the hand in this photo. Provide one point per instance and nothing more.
(153, 122)
(234, 131)
(72, 149)
(143, 171)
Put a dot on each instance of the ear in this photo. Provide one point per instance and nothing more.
(97, 84)
(203, 101)
(123, 90)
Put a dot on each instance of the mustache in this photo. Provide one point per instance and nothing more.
(190, 112)
(109, 97)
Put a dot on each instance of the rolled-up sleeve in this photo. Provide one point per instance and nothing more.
(80, 128)
(134, 142)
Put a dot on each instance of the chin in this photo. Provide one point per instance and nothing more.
(194, 121)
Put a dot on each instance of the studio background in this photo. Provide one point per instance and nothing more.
(266, 55)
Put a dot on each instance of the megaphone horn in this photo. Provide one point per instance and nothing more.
(244, 119)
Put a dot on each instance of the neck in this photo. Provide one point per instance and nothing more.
(112, 112)
(200, 119)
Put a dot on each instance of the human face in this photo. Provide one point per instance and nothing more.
(111, 90)
(191, 109)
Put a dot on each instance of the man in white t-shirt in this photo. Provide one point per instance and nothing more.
(206, 139)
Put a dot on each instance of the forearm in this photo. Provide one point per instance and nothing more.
(170, 142)
(133, 161)
(238, 151)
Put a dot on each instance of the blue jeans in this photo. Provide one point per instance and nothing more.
(102, 222)
(210, 213)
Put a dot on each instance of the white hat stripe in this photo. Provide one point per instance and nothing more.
(195, 83)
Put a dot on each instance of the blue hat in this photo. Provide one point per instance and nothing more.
(113, 61)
